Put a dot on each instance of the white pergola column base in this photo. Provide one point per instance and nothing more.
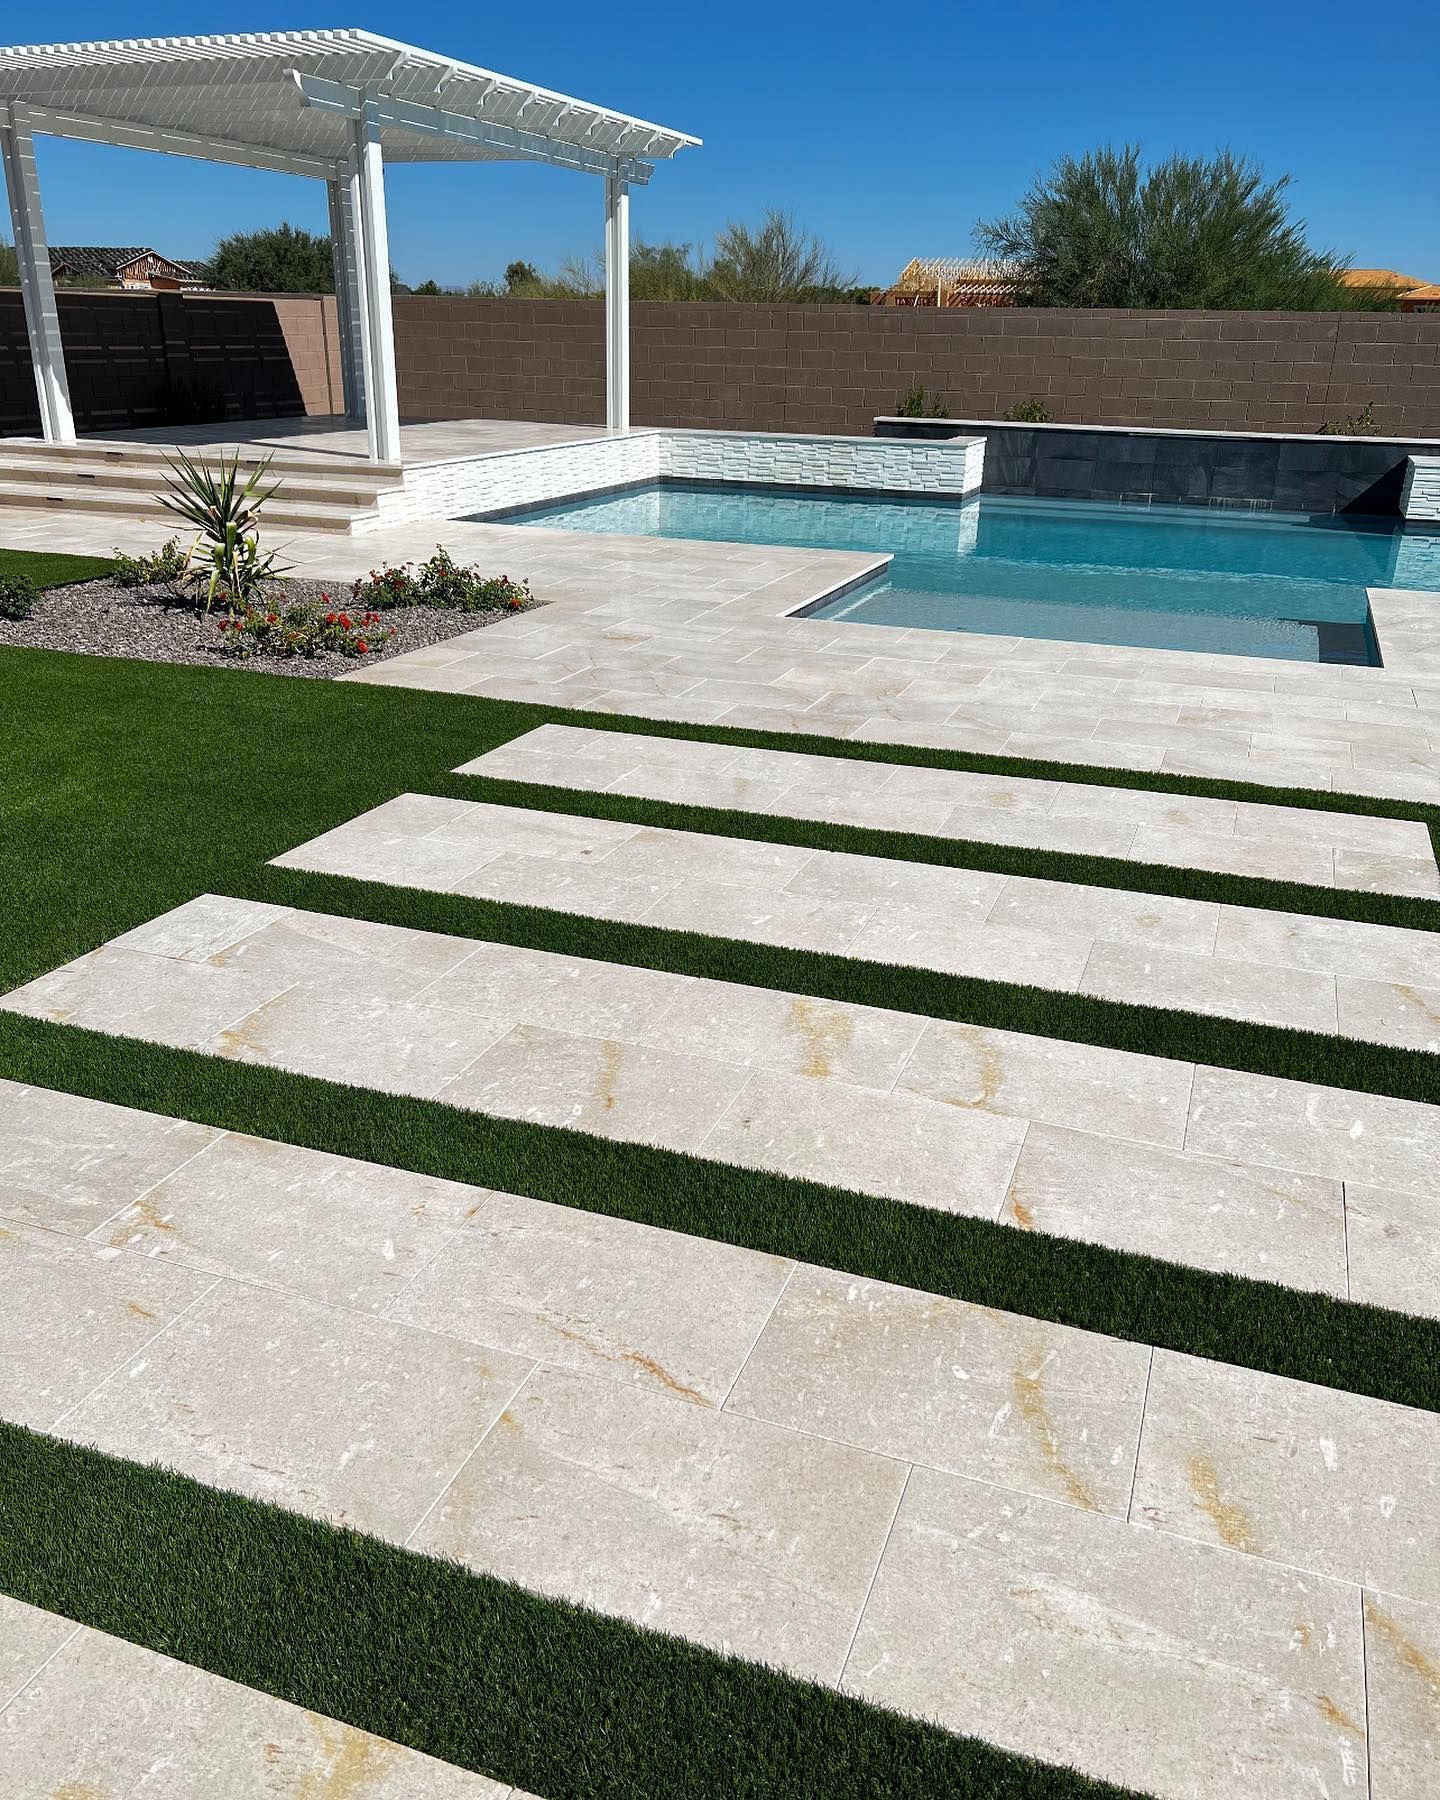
(37, 289)
(347, 295)
(617, 303)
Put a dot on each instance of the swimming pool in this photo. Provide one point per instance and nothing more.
(1173, 578)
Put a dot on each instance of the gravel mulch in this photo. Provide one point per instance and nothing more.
(98, 618)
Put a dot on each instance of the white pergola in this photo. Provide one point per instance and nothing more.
(334, 106)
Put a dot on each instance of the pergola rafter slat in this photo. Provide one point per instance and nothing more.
(331, 106)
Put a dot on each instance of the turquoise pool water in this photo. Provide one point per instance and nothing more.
(1169, 578)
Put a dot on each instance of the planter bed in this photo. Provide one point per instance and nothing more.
(100, 618)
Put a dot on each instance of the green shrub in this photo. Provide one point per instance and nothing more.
(165, 567)
(302, 631)
(914, 403)
(1033, 411)
(17, 596)
(1362, 424)
(442, 582)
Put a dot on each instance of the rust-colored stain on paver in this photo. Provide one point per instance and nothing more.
(1336, 1716)
(145, 1214)
(824, 1033)
(353, 1763)
(1030, 1398)
(1417, 999)
(1229, 1520)
(1407, 1653)
(992, 1073)
(139, 1311)
(1022, 1214)
(78, 1790)
(610, 1056)
(636, 1358)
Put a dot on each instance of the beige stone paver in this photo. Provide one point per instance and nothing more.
(888, 1103)
(1167, 1666)
(1228, 961)
(1288, 1471)
(68, 1164)
(1285, 843)
(753, 1540)
(229, 1399)
(1020, 1583)
(1402, 1687)
(94, 1715)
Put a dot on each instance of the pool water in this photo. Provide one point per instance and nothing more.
(1173, 578)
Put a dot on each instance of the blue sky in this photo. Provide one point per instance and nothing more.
(888, 129)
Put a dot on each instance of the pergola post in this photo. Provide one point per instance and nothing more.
(367, 188)
(617, 303)
(37, 289)
(347, 293)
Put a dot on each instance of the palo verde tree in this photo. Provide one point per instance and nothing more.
(1105, 229)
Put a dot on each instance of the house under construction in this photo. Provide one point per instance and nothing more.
(952, 281)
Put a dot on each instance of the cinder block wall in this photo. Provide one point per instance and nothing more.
(128, 354)
(833, 368)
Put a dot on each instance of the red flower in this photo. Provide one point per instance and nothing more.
(362, 647)
(329, 618)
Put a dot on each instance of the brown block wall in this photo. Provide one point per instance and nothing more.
(833, 368)
(128, 354)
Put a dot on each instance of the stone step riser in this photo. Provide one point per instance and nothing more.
(296, 517)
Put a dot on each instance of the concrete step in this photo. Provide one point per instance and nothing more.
(146, 477)
(132, 503)
(112, 450)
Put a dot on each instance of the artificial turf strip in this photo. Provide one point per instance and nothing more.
(1242, 1044)
(560, 1700)
(51, 568)
(1227, 1318)
(132, 786)
(1412, 912)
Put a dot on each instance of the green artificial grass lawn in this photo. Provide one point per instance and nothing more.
(51, 568)
(483, 1674)
(128, 788)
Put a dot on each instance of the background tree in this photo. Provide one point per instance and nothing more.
(778, 261)
(1105, 230)
(282, 259)
(9, 267)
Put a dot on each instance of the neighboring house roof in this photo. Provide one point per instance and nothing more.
(105, 261)
(1380, 278)
(951, 281)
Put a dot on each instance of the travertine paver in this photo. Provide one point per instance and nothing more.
(1142, 949)
(228, 1397)
(1293, 1473)
(94, 1716)
(892, 1104)
(1286, 843)
(1011, 1596)
(756, 1541)
(1178, 1669)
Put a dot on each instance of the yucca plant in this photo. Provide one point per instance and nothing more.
(225, 515)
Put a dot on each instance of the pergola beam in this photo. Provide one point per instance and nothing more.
(169, 142)
(37, 288)
(433, 121)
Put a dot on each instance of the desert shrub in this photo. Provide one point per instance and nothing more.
(440, 581)
(915, 403)
(17, 596)
(302, 631)
(1033, 411)
(1361, 424)
(165, 565)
